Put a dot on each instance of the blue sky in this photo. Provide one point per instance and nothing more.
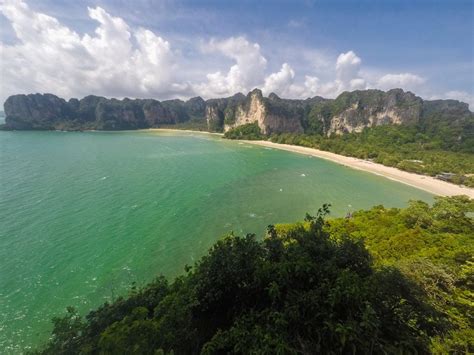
(214, 48)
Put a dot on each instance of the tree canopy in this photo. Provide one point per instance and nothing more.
(381, 281)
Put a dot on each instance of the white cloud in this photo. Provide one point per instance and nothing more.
(461, 96)
(347, 77)
(357, 84)
(117, 60)
(407, 81)
(348, 72)
(347, 66)
(247, 72)
(311, 83)
(280, 81)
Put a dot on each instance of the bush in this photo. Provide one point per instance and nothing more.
(249, 131)
(307, 287)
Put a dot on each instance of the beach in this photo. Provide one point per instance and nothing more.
(423, 182)
(179, 130)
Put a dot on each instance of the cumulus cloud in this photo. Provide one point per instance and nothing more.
(312, 83)
(115, 60)
(118, 60)
(347, 66)
(347, 77)
(247, 72)
(404, 80)
(279, 82)
(347, 72)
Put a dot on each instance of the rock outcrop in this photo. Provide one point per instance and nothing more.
(252, 109)
(35, 111)
(49, 112)
(272, 114)
(354, 111)
(349, 112)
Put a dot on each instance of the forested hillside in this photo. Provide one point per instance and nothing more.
(378, 281)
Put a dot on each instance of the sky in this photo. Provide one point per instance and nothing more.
(183, 48)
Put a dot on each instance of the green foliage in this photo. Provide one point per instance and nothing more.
(319, 118)
(229, 115)
(249, 131)
(433, 246)
(115, 114)
(193, 125)
(310, 287)
(134, 334)
(216, 124)
(66, 334)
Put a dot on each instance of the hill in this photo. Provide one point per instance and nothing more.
(349, 112)
(378, 281)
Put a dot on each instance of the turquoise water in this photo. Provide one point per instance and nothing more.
(83, 215)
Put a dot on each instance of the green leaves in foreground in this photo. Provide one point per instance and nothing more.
(309, 287)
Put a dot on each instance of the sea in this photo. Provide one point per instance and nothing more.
(85, 215)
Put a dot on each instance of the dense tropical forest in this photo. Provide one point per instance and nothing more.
(385, 280)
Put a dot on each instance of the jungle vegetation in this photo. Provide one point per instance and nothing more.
(249, 131)
(384, 280)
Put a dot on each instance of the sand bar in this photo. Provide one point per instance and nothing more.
(423, 182)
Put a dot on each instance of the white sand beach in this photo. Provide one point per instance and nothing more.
(423, 182)
(164, 130)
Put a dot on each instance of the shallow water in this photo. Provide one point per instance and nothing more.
(83, 215)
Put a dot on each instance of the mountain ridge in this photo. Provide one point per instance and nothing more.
(349, 112)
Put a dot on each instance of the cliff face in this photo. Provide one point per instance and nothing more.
(349, 112)
(35, 111)
(272, 114)
(354, 111)
(93, 112)
(220, 112)
(253, 109)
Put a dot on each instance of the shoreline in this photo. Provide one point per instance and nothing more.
(179, 130)
(422, 182)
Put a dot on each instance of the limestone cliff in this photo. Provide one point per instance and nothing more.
(271, 114)
(251, 110)
(93, 112)
(349, 112)
(354, 111)
(35, 111)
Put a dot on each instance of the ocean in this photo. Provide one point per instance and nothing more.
(84, 215)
